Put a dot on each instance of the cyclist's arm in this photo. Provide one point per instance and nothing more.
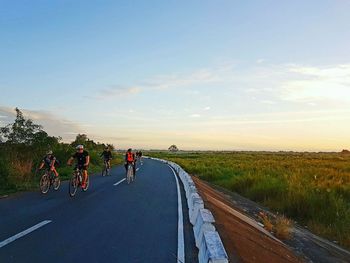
(41, 164)
(87, 160)
(69, 162)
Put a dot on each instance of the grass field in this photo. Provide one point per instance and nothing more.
(311, 188)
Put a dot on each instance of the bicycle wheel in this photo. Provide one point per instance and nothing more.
(104, 171)
(73, 185)
(56, 183)
(87, 184)
(128, 175)
(44, 183)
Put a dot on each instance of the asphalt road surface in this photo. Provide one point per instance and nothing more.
(111, 222)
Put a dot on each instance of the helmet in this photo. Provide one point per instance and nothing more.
(80, 147)
(49, 152)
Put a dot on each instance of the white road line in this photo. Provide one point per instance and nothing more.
(120, 181)
(23, 233)
(180, 227)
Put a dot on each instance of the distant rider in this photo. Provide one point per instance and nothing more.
(107, 156)
(130, 159)
(82, 161)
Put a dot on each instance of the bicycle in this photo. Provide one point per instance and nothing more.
(49, 179)
(76, 181)
(130, 174)
(106, 168)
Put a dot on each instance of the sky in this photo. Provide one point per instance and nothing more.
(203, 74)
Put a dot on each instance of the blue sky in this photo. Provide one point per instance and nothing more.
(256, 75)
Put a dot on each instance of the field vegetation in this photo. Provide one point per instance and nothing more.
(310, 188)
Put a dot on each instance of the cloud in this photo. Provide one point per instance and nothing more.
(196, 77)
(195, 115)
(115, 91)
(119, 91)
(52, 124)
(269, 102)
(207, 108)
(312, 84)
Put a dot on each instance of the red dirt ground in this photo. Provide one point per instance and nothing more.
(243, 238)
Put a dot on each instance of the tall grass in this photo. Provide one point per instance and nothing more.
(311, 188)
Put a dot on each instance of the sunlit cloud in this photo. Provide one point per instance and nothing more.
(314, 84)
(194, 78)
(118, 91)
(270, 102)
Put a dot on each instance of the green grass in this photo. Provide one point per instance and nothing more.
(311, 188)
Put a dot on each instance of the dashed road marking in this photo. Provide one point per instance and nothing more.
(23, 233)
(120, 181)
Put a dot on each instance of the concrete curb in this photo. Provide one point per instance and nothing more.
(208, 241)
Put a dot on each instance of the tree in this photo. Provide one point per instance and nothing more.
(21, 131)
(80, 139)
(173, 148)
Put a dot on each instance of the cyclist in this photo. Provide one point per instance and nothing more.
(49, 161)
(107, 156)
(83, 159)
(130, 159)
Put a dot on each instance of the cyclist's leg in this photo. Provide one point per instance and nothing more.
(55, 171)
(85, 175)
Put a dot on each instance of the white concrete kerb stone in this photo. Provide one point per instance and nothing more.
(190, 190)
(191, 200)
(215, 249)
(195, 210)
(203, 223)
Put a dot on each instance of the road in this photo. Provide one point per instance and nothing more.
(111, 222)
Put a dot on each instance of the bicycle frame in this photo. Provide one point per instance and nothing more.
(76, 181)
